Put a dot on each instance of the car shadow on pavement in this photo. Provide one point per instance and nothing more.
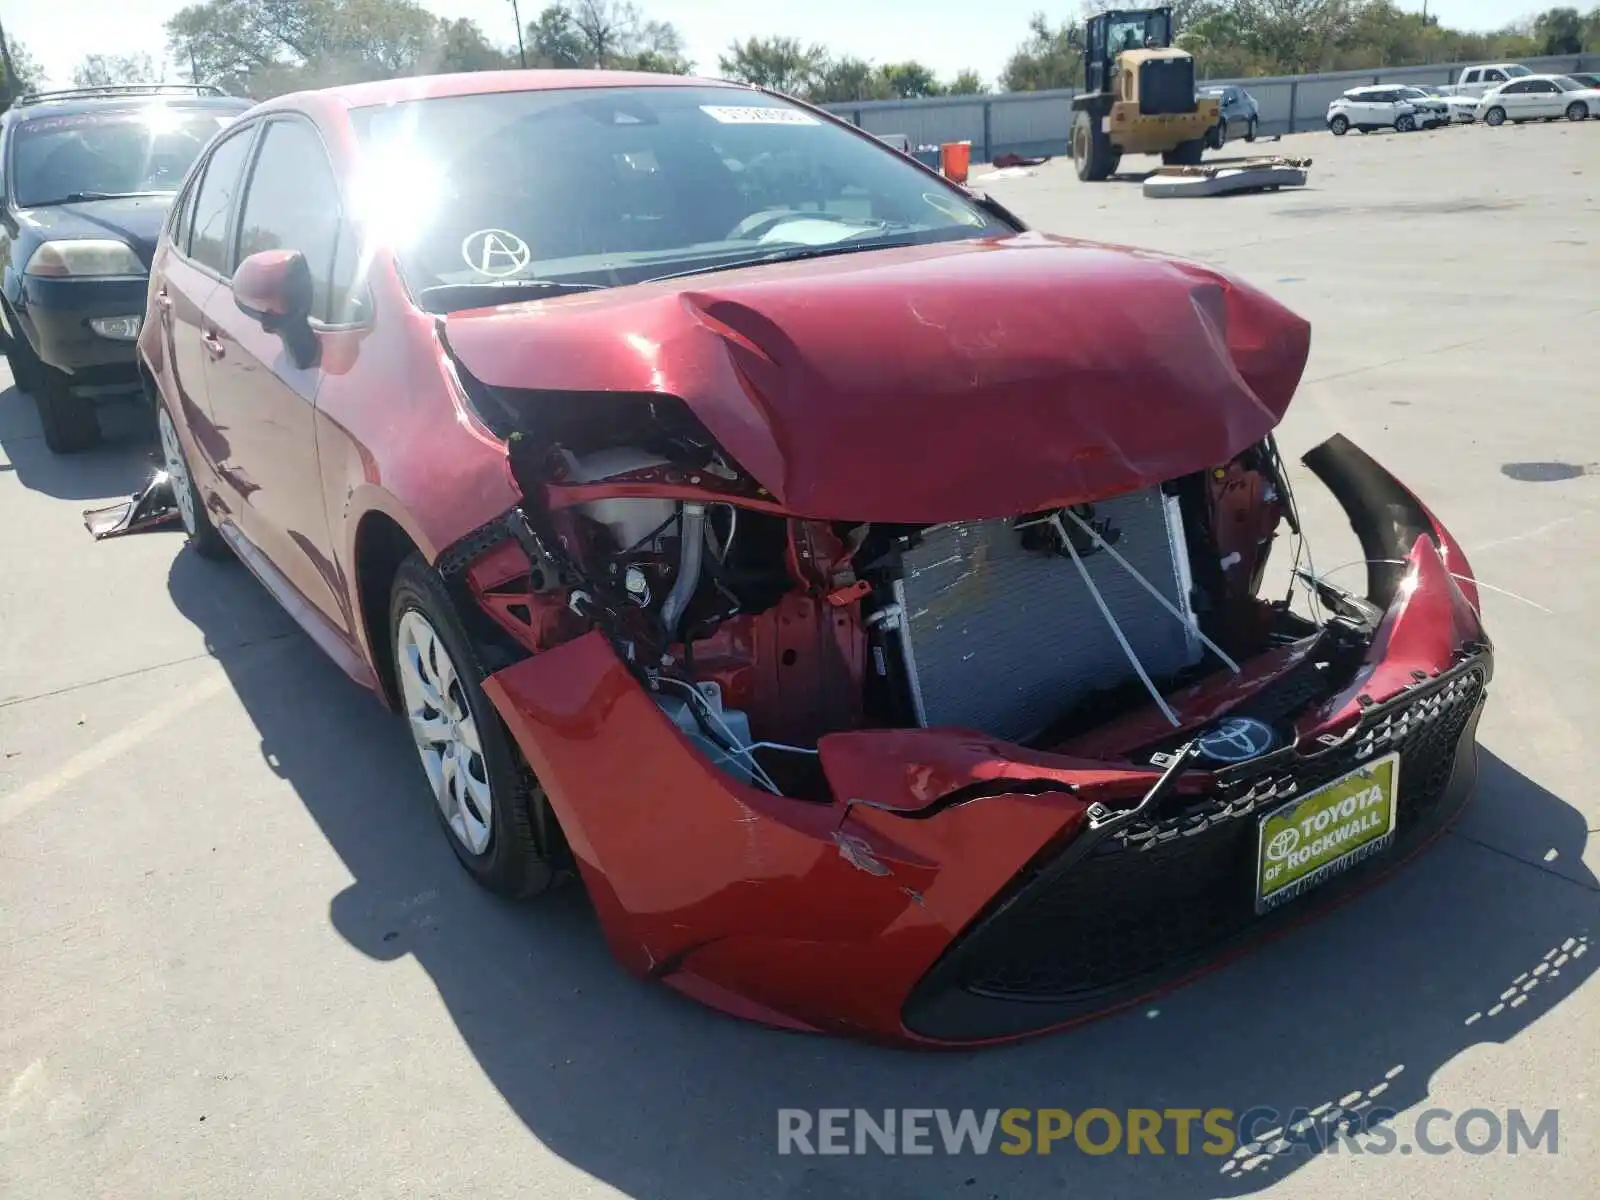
(119, 465)
(658, 1097)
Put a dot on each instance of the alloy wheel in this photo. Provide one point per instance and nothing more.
(445, 731)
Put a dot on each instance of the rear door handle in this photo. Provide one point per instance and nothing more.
(213, 343)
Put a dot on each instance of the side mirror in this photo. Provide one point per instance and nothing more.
(273, 287)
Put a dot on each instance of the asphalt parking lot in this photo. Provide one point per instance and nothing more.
(238, 958)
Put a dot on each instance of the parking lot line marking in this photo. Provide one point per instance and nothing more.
(10, 701)
(108, 748)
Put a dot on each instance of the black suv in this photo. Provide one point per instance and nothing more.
(86, 179)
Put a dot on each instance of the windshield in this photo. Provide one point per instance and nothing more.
(1135, 33)
(601, 187)
(92, 155)
(1565, 84)
(1517, 72)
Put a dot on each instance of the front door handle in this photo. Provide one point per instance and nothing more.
(163, 300)
(213, 343)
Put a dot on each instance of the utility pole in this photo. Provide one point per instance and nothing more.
(522, 50)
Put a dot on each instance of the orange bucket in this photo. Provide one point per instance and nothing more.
(954, 160)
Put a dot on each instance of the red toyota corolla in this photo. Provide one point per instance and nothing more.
(861, 593)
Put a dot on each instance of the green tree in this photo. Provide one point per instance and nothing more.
(968, 83)
(554, 41)
(605, 33)
(1560, 31)
(19, 70)
(1046, 59)
(105, 70)
(909, 80)
(780, 63)
(847, 78)
(462, 46)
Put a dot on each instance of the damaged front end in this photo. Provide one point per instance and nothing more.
(959, 782)
(976, 776)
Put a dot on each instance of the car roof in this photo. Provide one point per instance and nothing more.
(65, 104)
(477, 83)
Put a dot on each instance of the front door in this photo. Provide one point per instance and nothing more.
(261, 396)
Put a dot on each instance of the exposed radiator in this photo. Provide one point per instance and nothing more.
(1004, 639)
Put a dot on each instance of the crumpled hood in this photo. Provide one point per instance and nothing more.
(961, 380)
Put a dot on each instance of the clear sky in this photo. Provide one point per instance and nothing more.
(948, 35)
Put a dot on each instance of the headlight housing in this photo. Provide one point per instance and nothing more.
(86, 257)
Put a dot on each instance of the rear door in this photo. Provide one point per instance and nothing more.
(186, 278)
(262, 398)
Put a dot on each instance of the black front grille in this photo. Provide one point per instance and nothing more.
(1166, 85)
(1153, 898)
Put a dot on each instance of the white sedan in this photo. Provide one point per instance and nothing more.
(1538, 98)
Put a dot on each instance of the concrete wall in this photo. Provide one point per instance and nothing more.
(1034, 123)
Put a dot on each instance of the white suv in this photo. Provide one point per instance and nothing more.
(1386, 106)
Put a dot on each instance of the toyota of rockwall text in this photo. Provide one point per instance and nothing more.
(861, 594)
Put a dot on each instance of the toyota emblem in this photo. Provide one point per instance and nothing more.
(1237, 740)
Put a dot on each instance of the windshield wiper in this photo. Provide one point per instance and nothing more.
(457, 295)
(792, 254)
(81, 197)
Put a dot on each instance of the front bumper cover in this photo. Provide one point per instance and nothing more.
(961, 890)
(56, 313)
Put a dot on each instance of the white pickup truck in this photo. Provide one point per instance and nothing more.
(1475, 81)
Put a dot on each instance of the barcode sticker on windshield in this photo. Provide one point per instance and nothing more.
(730, 114)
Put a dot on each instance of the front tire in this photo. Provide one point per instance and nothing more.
(1250, 131)
(1219, 135)
(493, 811)
(1577, 111)
(1405, 124)
(1495, 117)
(1339, 126)
(1093, 155)
(69, 421)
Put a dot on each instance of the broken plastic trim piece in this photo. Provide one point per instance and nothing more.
(152, 508)
(1386, 518)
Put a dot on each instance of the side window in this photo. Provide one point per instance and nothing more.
(293, 204)
(1494, 76)
(213, 203)
(1470, 76)
(1544, 85)
(182, 217)
(1514, 89)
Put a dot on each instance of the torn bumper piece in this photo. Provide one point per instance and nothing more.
(152, 508)
(957, 889)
